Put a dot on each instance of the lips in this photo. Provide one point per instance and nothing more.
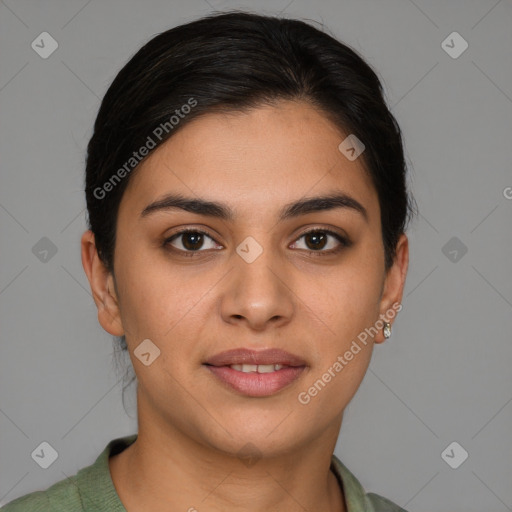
(256, 373)
(255, 357)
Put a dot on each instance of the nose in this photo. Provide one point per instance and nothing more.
(258, 294)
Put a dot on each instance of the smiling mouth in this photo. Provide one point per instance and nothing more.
(254, 373)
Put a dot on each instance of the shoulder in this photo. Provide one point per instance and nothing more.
(357, 500)
(91, 489)
(61, 496)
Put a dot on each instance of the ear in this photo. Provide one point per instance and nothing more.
(393, 287)
(102, 286)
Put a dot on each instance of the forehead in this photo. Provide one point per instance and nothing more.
(266, 156)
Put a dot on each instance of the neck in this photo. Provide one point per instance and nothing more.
(165, 469)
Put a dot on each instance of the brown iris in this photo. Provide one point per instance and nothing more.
(315, 240)
(192, 241)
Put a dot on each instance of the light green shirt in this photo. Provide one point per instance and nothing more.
(92, 489)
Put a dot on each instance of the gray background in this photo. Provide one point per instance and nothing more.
(445, 373)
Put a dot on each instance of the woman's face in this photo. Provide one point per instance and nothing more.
(251, 279)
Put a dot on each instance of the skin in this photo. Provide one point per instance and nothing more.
(190, 426)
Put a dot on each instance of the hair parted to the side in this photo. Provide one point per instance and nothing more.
(234, 61)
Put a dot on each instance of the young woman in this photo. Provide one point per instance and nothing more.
(247, 204)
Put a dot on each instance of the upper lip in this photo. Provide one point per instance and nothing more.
(247, 356)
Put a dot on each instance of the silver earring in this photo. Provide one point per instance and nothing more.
(387, 330)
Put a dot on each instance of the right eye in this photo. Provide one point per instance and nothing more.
(190, 240)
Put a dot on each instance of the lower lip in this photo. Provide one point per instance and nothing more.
(257, 384)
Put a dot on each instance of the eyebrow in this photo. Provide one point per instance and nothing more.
(224, 212)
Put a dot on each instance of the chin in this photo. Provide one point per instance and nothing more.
(256, 439)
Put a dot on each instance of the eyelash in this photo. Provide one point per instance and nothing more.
(344, 242)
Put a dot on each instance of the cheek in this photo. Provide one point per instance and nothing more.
(348, 303)
(346, 300)
(144, 302)
(165, 303)
(334, 381)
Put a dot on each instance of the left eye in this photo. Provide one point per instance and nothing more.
(319, 239)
